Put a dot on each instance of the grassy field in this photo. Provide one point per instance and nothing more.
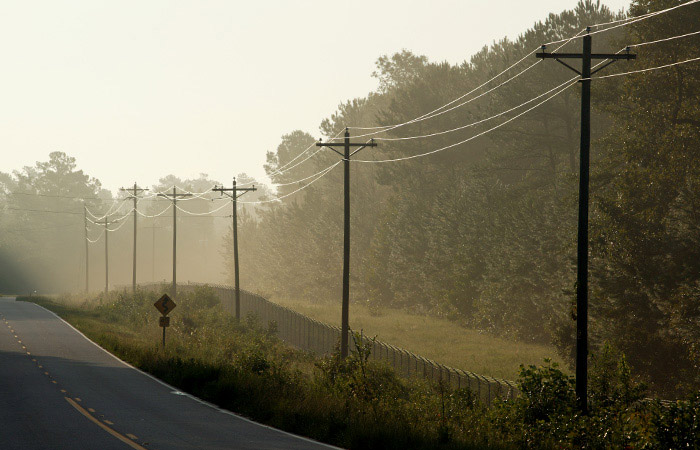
(439, 339)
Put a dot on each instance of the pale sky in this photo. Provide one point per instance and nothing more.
(136, 90)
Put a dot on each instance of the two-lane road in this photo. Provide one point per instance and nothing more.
(58, 390)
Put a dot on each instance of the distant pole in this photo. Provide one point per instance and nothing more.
(345, 313)
(234, 197)
(345, 310)
(87, 260)
(174, 289)
(173, 198)
(586, 57)
(106, 222)
(153, 254)
(106, 259)
(135, 192)
(234, 204)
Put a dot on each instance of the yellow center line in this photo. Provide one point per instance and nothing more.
(109, 430)
(108, 422)
(131, 436)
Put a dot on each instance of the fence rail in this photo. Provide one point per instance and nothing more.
(311, 335)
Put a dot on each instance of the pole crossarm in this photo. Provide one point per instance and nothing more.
(614, 56)
(134, 191)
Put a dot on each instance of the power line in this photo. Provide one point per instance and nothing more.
(35, 194)
(636, 19)
(276, 199)
(42, 210)
(650, 69)
(436, 112)
(446, 147)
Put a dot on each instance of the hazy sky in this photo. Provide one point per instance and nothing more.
(136, 90)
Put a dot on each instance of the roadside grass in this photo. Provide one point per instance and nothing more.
(246, 369)
(439, 339)
(358, 404)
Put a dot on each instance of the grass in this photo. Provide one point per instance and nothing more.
(356, 403)
(435, 338)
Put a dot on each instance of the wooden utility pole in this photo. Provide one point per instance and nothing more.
(233, 193)
(134, 192)
(173, 198)
(153, 250)
(345, 315)
(106, 222)
(586, 58)
(87, 261)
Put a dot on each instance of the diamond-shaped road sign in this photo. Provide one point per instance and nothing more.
(165, 305)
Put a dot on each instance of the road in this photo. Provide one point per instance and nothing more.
(59, 390)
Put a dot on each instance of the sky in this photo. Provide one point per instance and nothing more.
(136, 90)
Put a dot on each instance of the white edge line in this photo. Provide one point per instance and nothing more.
(185, 394)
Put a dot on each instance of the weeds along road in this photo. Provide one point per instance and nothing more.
(58, 390)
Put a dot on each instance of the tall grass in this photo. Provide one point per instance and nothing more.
(356, 403)
(439, 339)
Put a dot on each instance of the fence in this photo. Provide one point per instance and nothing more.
(311, 335)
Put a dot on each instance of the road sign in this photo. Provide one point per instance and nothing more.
(165, 305)
(164, 321)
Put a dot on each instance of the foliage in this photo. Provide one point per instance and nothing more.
(358, 404)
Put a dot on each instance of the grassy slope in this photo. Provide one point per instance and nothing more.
(441, 340)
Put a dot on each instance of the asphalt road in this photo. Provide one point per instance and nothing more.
(59, 390)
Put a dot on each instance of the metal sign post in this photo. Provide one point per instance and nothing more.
(164, 305)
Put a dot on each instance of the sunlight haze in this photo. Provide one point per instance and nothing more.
(138, 90)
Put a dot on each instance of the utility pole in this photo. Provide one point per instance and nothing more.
(106, 222)
(87, 261)
(584, 169)
(173, 198)
(233, 194)
(345, 315)
(134, 192)
(153, 250)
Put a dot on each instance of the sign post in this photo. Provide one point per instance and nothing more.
(164, 305)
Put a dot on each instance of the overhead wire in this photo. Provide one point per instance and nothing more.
(636, 19)
(436, 112)
(569, 82)
(326, 172)
(439, 111)
(446, 147)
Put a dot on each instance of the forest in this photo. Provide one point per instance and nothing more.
(483, 233)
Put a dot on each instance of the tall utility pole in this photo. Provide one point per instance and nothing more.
(106, 222)
(233, 193)
(345, 316)
(87, 261)
(173, 197)
(134, 192)
(582, 276)
(153, 250)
